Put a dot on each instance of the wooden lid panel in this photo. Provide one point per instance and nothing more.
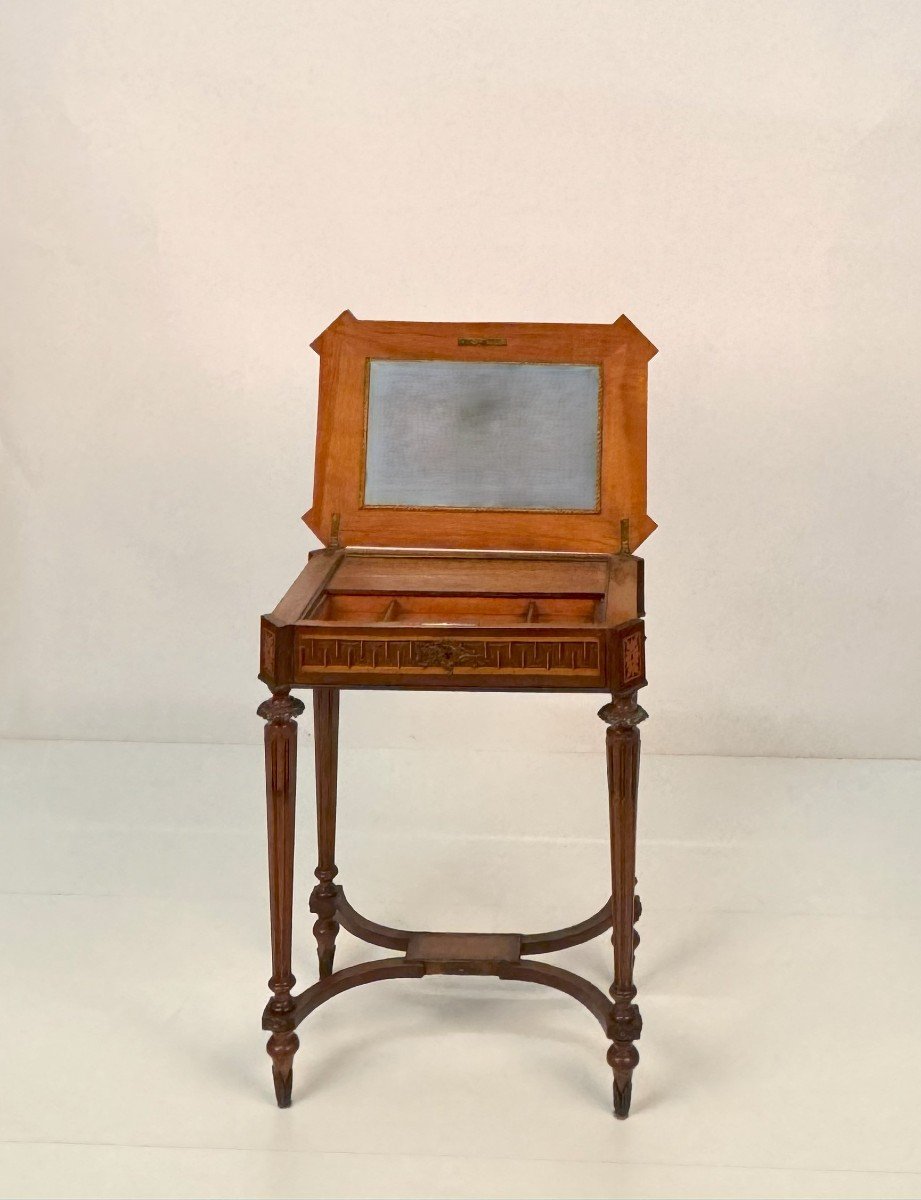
(619, 352)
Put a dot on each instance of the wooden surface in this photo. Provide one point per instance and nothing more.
(463, 953)
(457, 620)
(460, 599)
(446, 575)
(619, 350)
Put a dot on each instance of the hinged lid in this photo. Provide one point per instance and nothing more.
(481, 436)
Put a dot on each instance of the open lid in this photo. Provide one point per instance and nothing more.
(481, 436)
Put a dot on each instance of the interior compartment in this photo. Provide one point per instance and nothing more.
(467, 575)
(362, 608)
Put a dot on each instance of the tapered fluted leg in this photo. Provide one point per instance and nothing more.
(280, 713)
(623, 716)
(326, 751)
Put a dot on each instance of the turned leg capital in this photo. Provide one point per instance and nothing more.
(623, 713)
(281, 708)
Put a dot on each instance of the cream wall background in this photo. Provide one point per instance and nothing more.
(193, 190)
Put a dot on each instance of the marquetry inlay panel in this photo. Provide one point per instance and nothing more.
(633, 656)
(268, 650)
(512, 656)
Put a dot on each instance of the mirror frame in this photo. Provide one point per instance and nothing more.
(339, 516)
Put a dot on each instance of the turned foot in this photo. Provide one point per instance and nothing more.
(622, 1058)
(282, 1047)
(623, 1091)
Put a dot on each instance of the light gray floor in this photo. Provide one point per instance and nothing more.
(779, 978)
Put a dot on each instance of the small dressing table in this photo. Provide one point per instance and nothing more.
(480, 490)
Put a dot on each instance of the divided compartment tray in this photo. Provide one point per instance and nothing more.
(473, 611)
(455, 620)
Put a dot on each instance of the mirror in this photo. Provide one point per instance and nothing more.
(483, 435)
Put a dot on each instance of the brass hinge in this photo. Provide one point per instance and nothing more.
(334, 532)
(625, 535)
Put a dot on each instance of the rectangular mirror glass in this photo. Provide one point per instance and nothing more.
(483, 435)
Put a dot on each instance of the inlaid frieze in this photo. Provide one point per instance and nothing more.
(505, 655)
